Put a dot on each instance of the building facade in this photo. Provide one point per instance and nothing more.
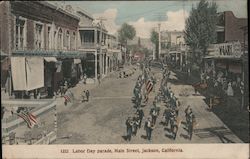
(37, 43)
(229, 56)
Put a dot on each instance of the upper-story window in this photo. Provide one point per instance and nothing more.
(59, 40)
(20, 34)
(74, 41)
(49, 37)
(39, 36)
(67, 42)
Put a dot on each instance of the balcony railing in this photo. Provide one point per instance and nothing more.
(88, 45)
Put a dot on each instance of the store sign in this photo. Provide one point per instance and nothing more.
(227, 49)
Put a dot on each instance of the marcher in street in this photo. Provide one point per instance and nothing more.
(87, 95)
(129, 124)
(166, 116)
(192, 122)
(174, 127)
(154, 114)
(187, 112)
(149, 128)
(140, 113)
(136, 122)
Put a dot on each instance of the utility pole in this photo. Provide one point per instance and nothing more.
(159, 55)
(100, 54)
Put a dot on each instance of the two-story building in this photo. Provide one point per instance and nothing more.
(40, 41)
(229, 56)
(100, 49)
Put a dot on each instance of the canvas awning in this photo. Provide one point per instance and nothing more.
(27, 73)
(50, 59)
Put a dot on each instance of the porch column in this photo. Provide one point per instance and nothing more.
(95, 65)
(106, 64)
(181, 61)
(100, 63)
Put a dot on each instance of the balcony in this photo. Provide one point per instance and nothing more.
(89, 45)
(62, 53)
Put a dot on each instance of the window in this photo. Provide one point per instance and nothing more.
(55, 40)
(67, 42)
(38, 36)
(20, 33)
(49, 41)
(59, 40)
(74, 41)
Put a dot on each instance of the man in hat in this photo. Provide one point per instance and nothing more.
(87, 95)
(129, 124)
(140, 114)
(149, 128)
(166, 116)
(136, 122)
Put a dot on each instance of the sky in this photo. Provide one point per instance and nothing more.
(146, 15)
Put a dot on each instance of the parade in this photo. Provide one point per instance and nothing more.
(170, 120)
(114, 73)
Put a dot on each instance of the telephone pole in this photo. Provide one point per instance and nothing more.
(100, 54)
(159, 55)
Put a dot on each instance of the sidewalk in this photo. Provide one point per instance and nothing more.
(234, 119)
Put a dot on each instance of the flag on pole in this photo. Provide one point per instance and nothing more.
(68, 96)
(29, 118)
(149, 86)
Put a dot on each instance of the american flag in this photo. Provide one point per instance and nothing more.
(149, 88)
(29, 118)
(68, 96)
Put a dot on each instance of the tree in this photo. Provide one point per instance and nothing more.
(200, 29)
(139, 42)
(154, 37)
(125, 33)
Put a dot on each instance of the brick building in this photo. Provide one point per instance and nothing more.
(38, 37)
(229, 56)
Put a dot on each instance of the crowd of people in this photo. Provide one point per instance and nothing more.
(165, 95)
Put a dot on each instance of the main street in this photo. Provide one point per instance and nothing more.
(102, 119)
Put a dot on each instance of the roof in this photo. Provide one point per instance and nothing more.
(52, 6)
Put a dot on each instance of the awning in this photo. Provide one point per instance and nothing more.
(235, 68)
(27, 73)
(77, 61)
(50, 59)
(221, 65)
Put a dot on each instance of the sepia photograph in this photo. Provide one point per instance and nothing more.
(124, 73)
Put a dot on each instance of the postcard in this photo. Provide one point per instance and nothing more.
(124, 79)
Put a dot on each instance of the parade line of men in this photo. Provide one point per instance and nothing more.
(145, 84)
